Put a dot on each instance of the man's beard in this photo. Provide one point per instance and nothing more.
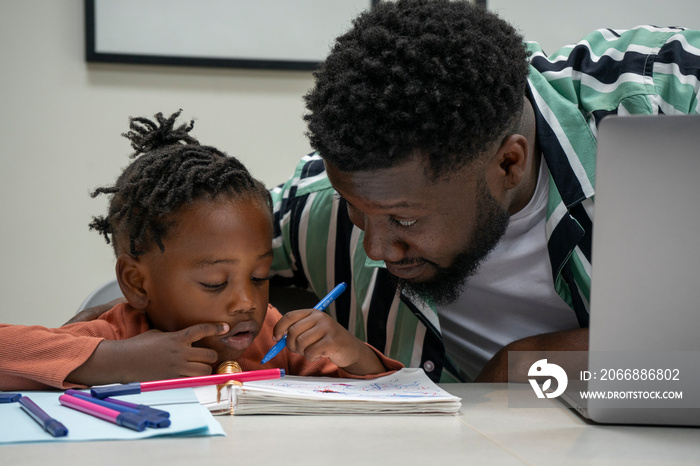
(447, 284)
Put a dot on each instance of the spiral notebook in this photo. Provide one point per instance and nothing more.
(408, 391)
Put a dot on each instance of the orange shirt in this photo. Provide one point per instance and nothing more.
(37, 358)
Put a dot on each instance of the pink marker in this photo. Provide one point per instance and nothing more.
(130, 420)
(185, 382)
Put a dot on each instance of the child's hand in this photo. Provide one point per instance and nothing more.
(153, 355)
(314, 335)
(168, 355)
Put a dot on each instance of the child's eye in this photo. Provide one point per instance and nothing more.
(213, 286)
(260, 279)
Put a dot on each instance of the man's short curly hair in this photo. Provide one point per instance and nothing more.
(446, 78)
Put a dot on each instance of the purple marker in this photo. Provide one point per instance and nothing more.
(143, 409)
(130, 420)
(152, 420)
(50, 425)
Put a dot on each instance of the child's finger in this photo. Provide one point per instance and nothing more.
(203, 330)
(289, 319)
(195, 369)
(206, 356)
(309, 343)
(306, 331)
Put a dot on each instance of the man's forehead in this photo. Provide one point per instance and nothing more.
(397, 187)
(404, 186)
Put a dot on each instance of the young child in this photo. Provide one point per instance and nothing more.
(192, 233)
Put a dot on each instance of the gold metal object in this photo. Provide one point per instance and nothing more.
(227, 367)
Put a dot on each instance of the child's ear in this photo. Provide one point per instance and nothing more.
(130, 277)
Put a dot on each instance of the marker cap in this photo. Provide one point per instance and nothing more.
(9, 397)
(157, 421)
(133, 388)
(55, 428)
(153, 412)
(132, 421)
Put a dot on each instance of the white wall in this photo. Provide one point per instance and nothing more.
(60, 126)
(555, 23)
(61, 120)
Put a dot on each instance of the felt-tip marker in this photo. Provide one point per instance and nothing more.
(184, 382)
(50, 425)
(152, 420)
(144, 410)
(321, 306)
(129, 420)
(9, 397)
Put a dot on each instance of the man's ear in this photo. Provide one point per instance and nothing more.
(512, 159)
(130, 275)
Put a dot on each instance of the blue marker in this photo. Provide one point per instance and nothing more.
(50, 425)
(9, 397)
(321, 306)
(152, 420)
(145, 410)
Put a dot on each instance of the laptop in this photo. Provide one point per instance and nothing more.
(645, 280)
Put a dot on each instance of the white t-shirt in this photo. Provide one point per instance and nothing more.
(512, 295)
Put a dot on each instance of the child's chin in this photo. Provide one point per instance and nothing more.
(225, 353)
(228, 355)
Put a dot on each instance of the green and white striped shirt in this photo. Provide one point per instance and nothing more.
(645, 70)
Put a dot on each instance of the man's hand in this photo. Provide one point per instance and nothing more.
(153, 355)
(314, 335)
(93, 313)
(496, 370)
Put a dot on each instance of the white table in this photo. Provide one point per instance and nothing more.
(486, 432)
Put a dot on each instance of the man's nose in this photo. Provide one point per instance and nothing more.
(380, 243)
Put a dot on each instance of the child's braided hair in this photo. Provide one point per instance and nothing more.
(171, 169)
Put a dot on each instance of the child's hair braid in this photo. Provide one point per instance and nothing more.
(170, 169)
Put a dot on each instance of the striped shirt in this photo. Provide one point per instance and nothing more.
(645, 70)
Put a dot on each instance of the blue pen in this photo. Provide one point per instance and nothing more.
(50, 425)
(322, 305)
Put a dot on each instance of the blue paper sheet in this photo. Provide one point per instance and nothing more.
(188, 418)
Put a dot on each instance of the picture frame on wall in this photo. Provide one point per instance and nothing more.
(264, 34)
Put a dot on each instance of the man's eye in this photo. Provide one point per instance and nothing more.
(403, 223)
(213, 286)
(261, 279)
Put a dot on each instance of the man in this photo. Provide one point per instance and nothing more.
(453, 182)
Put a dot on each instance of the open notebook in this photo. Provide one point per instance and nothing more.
(408, 391)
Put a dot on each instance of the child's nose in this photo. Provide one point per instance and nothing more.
(242, 299)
